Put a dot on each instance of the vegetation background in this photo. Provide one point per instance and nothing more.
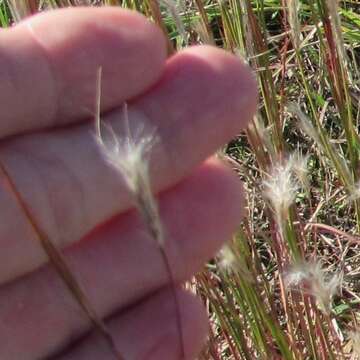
(287, 286)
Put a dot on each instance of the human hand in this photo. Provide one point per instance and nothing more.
(197, 100)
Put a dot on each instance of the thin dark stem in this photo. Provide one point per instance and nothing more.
(166, 262)
(151, 218)
(62, 268)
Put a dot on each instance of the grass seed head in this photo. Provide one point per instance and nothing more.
(227, 258)
(280, 190)
(129, 155)
(311, 278)
(298, 164)
(229, 261)
(354, 193)
(304, 123)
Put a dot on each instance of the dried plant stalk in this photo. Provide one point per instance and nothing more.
(156, 14)
(58, 260)
(209, 36)
(293, 10)
(128, 157)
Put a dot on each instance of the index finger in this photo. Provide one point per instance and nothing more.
(49, 64)
(204, 98)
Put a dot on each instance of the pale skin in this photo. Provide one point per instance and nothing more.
(197, 100)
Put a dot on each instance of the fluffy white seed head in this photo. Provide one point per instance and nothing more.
(227, 258)
(311, 278)
(298, 164)
(229, 261)
(304, 122)
(280, 190)
(354, 193)
(129, 154)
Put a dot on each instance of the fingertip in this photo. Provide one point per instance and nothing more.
(130, 49)
(60, 51)
(102, 24)
(211, 205)
(232, 79)
(196, 325)
(231, 188)
(150, 330)
(206, 96)
(238, 81)
(228, 198)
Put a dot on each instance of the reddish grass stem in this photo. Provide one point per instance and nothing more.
(58, 260)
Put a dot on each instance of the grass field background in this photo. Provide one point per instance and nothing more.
(287, 286)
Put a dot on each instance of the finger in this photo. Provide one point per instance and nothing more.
(119, 264)
(71, 189)
(149, 331)
(60, 52)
